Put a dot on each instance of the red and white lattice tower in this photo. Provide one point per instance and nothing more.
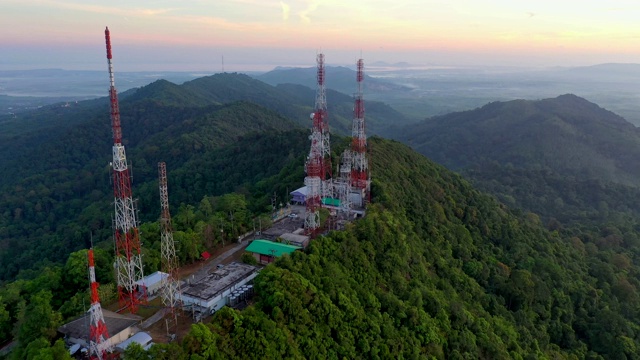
(170, 291)
(127, 240)
(99, 345)
(318, 166)
(360, 169)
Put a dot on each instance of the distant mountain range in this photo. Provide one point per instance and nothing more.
(340, 78)
(530, 153)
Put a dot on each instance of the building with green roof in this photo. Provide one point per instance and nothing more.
(266, 251)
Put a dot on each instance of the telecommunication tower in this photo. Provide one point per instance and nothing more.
(318, 166)
(127, 240)
(360, 169)
(99, 345)
(343, 184)
(170, 287)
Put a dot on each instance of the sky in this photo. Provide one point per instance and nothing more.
(245, 35)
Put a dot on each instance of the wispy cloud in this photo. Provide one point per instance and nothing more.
(285, 10)
(100, 9)
(304, 14)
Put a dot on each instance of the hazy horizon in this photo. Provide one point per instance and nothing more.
(255, 35)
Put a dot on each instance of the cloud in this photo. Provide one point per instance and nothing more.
(285, 10)
(304, 14)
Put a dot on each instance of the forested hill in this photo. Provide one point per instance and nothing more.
(438, 270)
(54, 192)
(563, 157)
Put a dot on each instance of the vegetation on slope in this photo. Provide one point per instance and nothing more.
(51, 203)
(564, 158)
(435, 270)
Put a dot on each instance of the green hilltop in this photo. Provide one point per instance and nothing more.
(437, 270)
(563, 157)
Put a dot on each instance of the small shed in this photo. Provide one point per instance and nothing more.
(151, 284)
(142, 338)
(266, 251)
(299, 196)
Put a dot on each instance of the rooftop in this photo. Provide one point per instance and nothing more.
(153, 279)
(303, 190)
(115, 322)
(216, 282)
(266, 247)
(294, 238)
(141, 338)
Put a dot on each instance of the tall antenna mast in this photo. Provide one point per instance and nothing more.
(321, 121)
(99, 344)
(360, 169)
(128, 258)
(170, 286)
(318, 166)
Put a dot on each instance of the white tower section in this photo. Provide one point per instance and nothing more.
(170, 291)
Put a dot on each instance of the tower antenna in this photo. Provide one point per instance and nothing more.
(360, 170)
(170, 286)
(128, 257)
(99, 344)
(318, 166)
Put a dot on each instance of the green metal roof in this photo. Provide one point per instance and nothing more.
(266, 247)
(331, 201)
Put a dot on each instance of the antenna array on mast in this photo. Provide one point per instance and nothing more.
(128, 264)
(318, 166)
(99, 344)
(360, 169)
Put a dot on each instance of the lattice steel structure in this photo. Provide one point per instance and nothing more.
(170, 291)
(318, 166)
(99, 345)
(343, 184)
(360, 170)
(127, 240)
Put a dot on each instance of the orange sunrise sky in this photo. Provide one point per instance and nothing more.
(260, 34)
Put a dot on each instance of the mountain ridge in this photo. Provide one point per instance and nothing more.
(558, 142)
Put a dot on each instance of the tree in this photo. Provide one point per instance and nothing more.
(5, 322)
(135, 352)
(40, 321)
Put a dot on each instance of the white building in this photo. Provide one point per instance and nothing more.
(151, 284)
(141, 338)
(212, 292)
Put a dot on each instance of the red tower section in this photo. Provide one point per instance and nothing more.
(318, 166)
(128, 258)
(99, 345)
(360, 169)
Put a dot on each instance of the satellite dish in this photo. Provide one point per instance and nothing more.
(312, 115)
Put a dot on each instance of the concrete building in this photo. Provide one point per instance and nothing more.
(266, 251)
(300, 240)
(120, 328)
(211, 293)
(151, 284)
